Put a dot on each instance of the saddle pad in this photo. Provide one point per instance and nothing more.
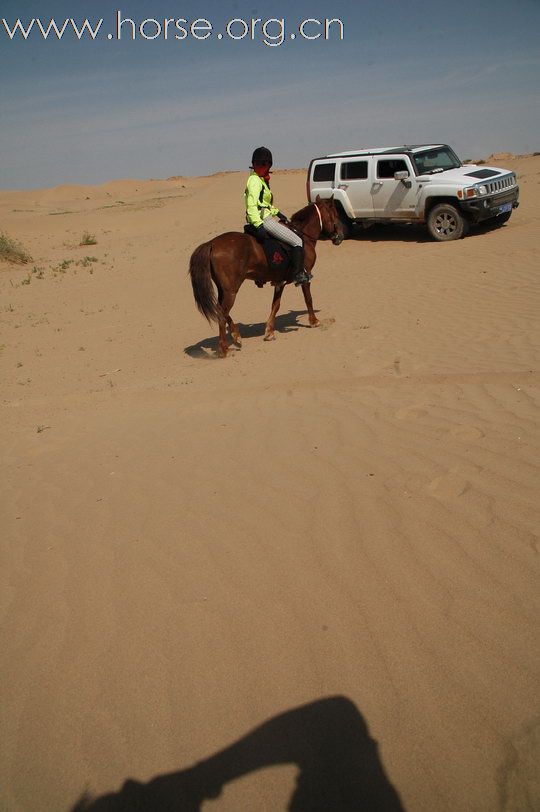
(277, 253)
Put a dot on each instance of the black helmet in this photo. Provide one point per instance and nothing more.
(261, 155)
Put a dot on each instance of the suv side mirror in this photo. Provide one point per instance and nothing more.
(402, 176)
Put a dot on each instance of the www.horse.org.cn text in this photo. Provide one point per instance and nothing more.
(272, 31)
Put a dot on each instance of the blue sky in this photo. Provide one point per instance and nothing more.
(466, 73)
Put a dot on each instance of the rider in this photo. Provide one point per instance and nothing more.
(261, 214)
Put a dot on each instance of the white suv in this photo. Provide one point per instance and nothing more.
(413, 184)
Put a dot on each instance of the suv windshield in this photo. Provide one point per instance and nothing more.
(436, 160)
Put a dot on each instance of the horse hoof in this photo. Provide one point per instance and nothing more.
(238, 343)
(315, 323)
(269, 337)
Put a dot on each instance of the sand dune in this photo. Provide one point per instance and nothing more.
(318, 554)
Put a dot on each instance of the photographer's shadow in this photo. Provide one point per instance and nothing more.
(338, 762)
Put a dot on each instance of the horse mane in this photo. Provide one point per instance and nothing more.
(301, 217)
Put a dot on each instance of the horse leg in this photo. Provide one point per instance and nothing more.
(306, 290)
(225, 303)
(233, 329)
(222, 347)
(276, 301)
(235, 332)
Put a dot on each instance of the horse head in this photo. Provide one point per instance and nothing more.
(331, 223)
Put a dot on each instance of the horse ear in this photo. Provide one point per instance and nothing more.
(318, 199)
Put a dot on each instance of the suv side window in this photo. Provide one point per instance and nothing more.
(387, 167)
(324, 172)
(354, 170)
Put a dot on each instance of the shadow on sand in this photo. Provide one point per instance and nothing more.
(286, 323)
(391, 232)
(338, 763)
(404, 232)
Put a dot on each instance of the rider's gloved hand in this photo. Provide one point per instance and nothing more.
(282, 217)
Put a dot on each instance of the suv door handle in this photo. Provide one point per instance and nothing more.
(376, 184)
(343, 185)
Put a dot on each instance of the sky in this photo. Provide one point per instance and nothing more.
(406, 71)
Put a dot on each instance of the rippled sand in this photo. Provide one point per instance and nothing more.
(327, 544)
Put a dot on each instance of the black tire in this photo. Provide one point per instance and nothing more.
(445, 222)
(346, 225)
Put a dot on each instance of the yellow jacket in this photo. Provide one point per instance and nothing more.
(258, 199)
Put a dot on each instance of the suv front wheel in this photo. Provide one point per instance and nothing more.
(445, 223)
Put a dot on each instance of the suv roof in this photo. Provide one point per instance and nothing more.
(381, 150)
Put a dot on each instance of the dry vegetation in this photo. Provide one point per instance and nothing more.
(12, 251)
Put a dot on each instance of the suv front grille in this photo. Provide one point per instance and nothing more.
(500, 185)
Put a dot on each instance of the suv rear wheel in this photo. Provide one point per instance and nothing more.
(445, 223)
(346, 224)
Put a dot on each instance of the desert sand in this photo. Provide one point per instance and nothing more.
(310, 569)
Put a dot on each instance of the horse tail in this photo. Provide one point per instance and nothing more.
(200, 270)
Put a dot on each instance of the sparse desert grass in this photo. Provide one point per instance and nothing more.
(86, 261)
(12, 251)
(65, 264)
(88, 239)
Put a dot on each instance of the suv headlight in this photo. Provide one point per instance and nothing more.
(474, 191)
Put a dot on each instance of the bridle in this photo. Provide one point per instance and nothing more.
(301, 231)
(334, 232)
(319, 213)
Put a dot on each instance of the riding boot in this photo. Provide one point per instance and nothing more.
(300, 275)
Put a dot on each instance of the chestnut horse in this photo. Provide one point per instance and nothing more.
(231, 258)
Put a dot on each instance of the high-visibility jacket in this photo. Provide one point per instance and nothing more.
(258, 199)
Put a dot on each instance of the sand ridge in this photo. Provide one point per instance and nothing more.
(195, 551)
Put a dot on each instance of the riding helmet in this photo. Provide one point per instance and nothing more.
(261, 155)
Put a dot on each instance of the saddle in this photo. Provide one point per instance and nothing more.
(278, 255)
